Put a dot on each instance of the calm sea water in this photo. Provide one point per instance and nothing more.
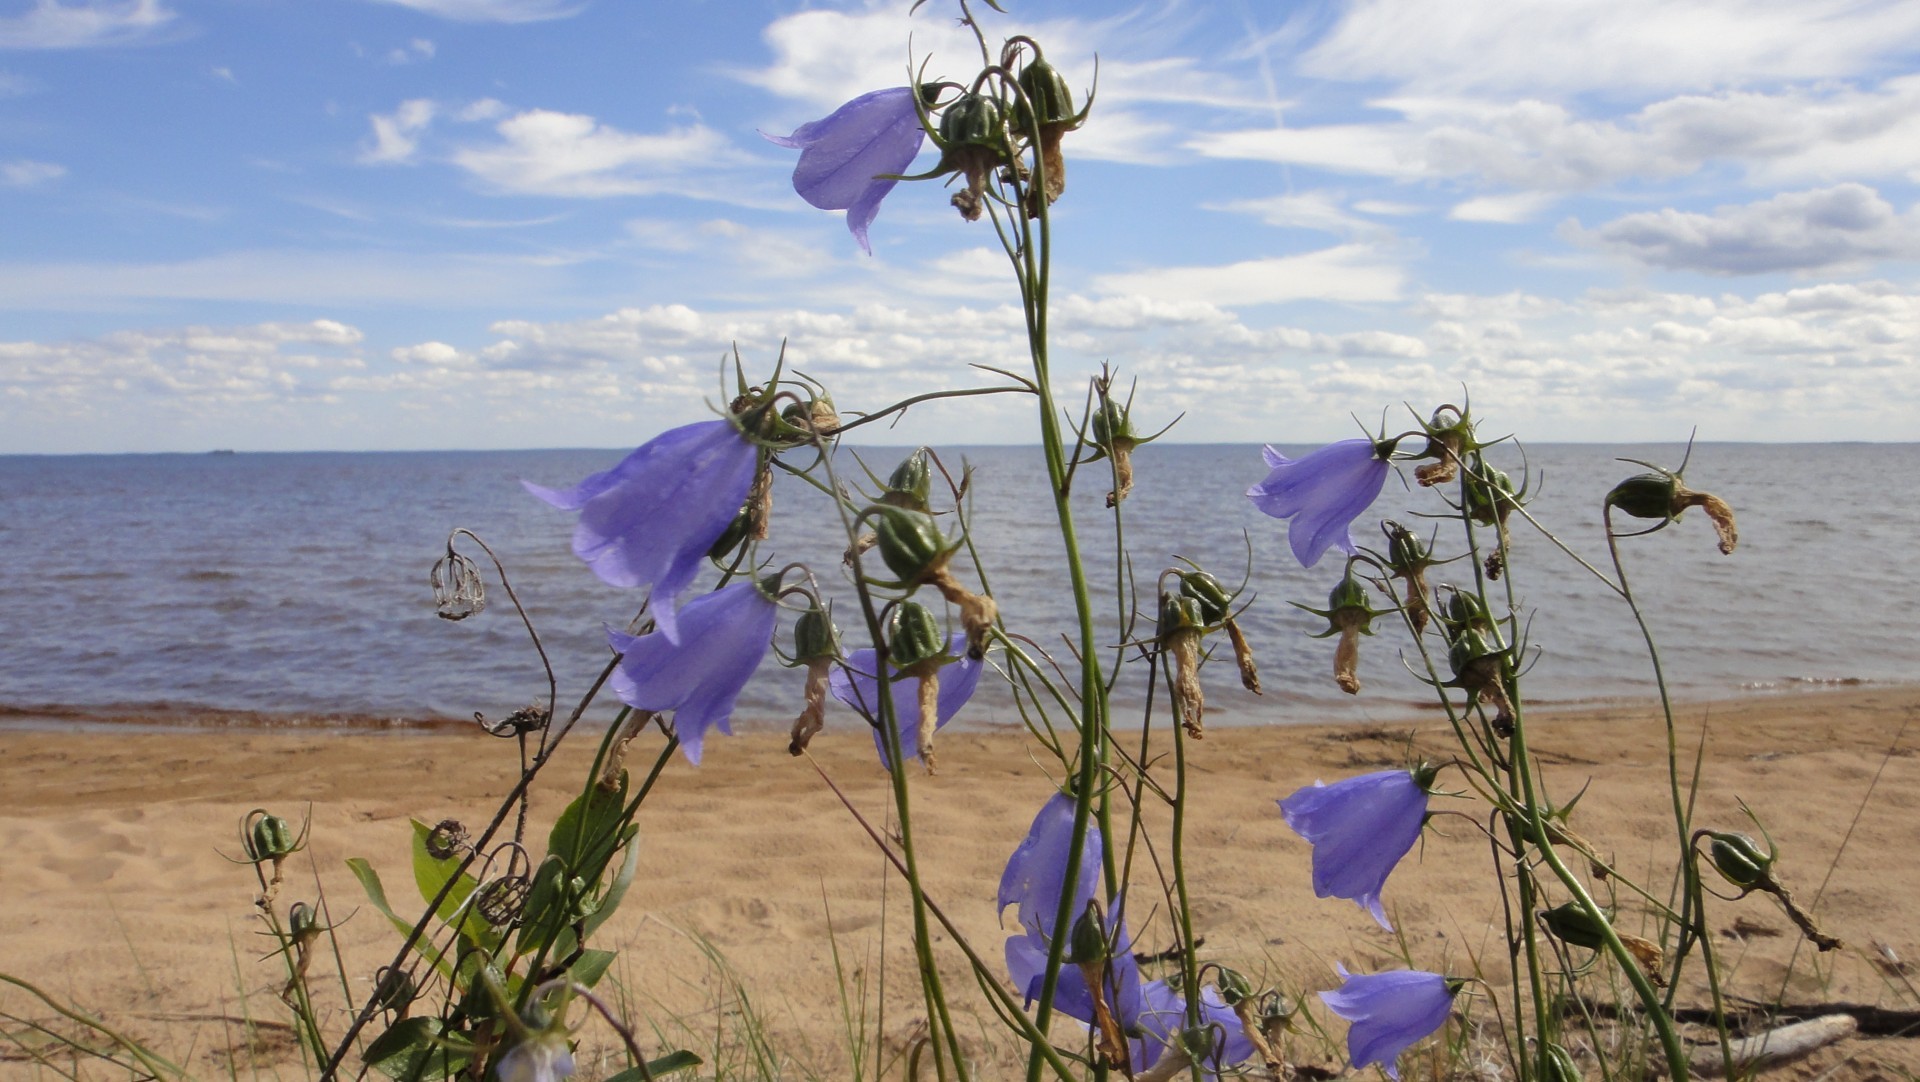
(296, 584)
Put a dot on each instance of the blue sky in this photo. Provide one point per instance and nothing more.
(366, 224)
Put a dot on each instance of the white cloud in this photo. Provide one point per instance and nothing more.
(282, 276)
(826, 58)
(1502, 209)
(51, 24)
(195, 367)
(496, 11)
(542, 152)
(1849, 224)
(1322, 211)
(1614, 46)
(1802, 133)
(23, 173)
(396, 135)
(1348, 272)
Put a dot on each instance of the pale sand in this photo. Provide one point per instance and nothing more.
(112, 891)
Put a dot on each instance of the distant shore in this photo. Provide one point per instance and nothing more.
(113, 891)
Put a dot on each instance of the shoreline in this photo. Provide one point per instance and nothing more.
(168, 718)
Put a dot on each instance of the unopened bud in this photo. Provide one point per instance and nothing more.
(1556, 1065)
(1573, 924)
(270, 838)
(1215, 602)
(1234, 986)
(1738, 859)
(914, 636)
(1088, 943)
(911, 483)
(909, 542)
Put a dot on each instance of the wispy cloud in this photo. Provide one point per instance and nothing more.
(542, 152)
(52, 24)
(396, 135)
(496, 11)
(1348, 272)
(23, 173)
(1845, 225)
(1613, 46)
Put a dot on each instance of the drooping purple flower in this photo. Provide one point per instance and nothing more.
(723, 636)
(1037, 871)
(1027, 965)
(650, 520)
(542, 1057)
(1322, 493)
(1163, 1014)
(1359, 829)
(1389, 1012)
(848, 158)
(857, 684)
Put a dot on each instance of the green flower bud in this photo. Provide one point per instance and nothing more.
(270, 838)
(1649, 495)
(1048, 101)
(393, 989)
(1214, 600)
(1089, 942)
(1424, 775)
(815, 636)
(1234, 986)
(1490, 499)
(914, 636)
(1572, 924)
(909, 541)
(302, 921)
(1178, 613)
(911, 483)
(1465, 611)
(1112, 424)
(1472, 645)
(973, 120)
(1738, 859)
(1406, 553)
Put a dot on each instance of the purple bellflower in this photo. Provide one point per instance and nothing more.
(1389, 1012)
(542, 1057)
(1163, 1014)
(856, 684)
(1321, 493)
(1359, 829)
(1027, 964)
(723, 636)
(848, 159)
(650, 520)
(1037, 871)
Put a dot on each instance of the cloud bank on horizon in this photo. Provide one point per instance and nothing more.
(491, 223)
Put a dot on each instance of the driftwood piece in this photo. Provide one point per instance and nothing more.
(1773, 1047)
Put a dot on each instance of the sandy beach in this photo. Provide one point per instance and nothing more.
(114, 895)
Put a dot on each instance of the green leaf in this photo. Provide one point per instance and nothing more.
(667, 1064)
(615, 890)
(588, 830)
(544, 920)
(591, 966)
(418, 1048)
(430, 873)
(377, 894)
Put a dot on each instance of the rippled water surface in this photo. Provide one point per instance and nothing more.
(296, 583)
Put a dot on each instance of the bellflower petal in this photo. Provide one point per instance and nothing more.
(856, 684)
(542, 1057)
(1037, 870)
(1389, 1012)
(1322, 493)
(1027, 966)
(844, 156)
(1163, 1015)
(1359, 829)
(723, 637)
(650, 520)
